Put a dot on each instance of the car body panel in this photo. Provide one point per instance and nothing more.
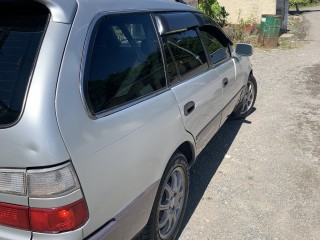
(109, 147)
(227, 71)
(205, 90)
(207, 133)
(62, 11)
(126, 223)
(74, 235)
(7, 233)
(230, 70)
(17, 200)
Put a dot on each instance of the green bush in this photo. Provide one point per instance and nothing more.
(303, 2)
(213, 9)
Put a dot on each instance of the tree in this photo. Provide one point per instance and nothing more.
(213, 9)
(296, 3)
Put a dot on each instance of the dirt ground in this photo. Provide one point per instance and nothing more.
(260, 178)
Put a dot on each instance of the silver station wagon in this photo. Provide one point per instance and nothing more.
(104, 107)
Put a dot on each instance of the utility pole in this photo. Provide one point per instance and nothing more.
(283, 10)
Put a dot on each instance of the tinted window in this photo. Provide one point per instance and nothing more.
(136, 32)
(217, 51)
(172, 70)
(188, 53)
(21, 29)
(125, 62)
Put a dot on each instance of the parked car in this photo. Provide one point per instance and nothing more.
(104, 107)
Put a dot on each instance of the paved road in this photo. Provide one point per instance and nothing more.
(260, 178)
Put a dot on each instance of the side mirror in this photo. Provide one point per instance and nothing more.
(244, 49)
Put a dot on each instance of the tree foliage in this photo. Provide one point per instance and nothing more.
(298, 3)
(303, 2)
(213, 9)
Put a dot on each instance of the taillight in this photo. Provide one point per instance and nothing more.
(51, 182)
(14, 216)
(59, 219)
(42, 183)
(12, 181)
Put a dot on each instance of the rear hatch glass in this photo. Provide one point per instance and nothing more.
(22, 26)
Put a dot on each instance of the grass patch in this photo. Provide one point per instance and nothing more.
(289, 45)
(301, 7)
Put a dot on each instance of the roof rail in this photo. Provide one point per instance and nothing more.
(61, 10)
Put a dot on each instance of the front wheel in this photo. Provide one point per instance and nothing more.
(171, 201)
(247, 103)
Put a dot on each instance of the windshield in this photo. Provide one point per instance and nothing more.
(21, 29)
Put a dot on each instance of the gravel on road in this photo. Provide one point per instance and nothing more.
(260, 178)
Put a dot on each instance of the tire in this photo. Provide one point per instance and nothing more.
(172, 196)
(247, 103)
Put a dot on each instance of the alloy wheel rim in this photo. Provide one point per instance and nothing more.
(248, 98)
(171, 203)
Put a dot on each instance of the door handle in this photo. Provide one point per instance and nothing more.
(225, 82)
(189, 107)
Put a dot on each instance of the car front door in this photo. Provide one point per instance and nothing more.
(229, 71)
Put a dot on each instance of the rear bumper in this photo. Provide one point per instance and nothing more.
(7, 233)
(130, 220)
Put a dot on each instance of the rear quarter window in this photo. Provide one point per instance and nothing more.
(22, 26)
(124, 63)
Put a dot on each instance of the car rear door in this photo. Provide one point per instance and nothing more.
(197, 88)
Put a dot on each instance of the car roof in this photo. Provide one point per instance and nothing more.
(65, 10)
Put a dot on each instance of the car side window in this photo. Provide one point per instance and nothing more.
(136, 31)
(172, 70)
(218, 52)
(188, 53)
(125, 63)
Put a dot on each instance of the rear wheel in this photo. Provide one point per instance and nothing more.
(171, 201)
(247, 103)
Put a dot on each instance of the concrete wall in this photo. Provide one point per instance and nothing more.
(248, 9)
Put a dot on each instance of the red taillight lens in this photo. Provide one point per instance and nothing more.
(14, 216)
(59, 219)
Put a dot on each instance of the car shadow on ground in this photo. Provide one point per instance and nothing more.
(208, 163)
(302, 11)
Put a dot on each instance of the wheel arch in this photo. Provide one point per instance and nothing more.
(187, 149)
